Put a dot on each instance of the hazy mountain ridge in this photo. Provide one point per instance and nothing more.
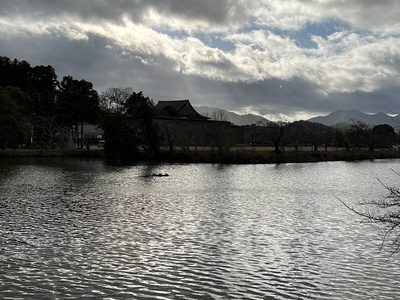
(232, 117)
(341, 117)
(349, 116)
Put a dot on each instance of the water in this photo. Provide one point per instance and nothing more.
(77, 229)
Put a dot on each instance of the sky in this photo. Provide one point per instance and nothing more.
(283, 59)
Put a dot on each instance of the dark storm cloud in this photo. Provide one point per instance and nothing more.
(161, 47)
(210, 10)
(113, 10)
(271, 97)
(39, 9)
(105, 67)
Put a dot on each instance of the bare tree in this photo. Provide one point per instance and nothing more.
(50, 129)
(386, 213)
(219, 115)
(356, 136)
(276, 133)
(113, 99)
(222, 138)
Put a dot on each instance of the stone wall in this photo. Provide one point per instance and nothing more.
(181, 132)
(190, 132)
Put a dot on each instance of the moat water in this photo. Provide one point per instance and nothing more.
(78, 229)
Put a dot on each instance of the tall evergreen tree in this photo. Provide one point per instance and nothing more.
(77, 103)
(131, 127)
(14, 117)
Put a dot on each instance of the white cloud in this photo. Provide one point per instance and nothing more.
(175, 36)
(377, 16)
(344, 61)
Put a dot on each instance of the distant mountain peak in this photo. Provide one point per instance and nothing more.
(232, 117)
(349, 116)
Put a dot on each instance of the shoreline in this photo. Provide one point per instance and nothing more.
(236, 156)
(10, 153)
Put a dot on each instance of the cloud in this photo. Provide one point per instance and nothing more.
(210, 15)
(376, 16)
(255, 55)
(177, 14)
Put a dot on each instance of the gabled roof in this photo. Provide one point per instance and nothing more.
(182, 107)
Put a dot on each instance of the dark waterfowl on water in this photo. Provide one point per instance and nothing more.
(161, 175)
(156, 175)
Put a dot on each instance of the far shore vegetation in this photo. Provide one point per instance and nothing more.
(41, 116)
(237, 155)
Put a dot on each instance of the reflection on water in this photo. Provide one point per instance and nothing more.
(83, 229)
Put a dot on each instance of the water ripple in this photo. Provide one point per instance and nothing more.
(90, 231)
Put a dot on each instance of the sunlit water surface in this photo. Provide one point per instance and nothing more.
(77, 229)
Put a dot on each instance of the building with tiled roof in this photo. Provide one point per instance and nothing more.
(177, 108)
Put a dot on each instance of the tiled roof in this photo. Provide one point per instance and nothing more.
(182, 107)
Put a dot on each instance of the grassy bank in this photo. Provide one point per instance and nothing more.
(261, 157)
(236, 156)
(51, 153)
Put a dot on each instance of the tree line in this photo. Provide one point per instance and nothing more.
(354, 136)
(37, 110)
(315, 136)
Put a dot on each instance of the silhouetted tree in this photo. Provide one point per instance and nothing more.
(14, 113)
(30, 80)
(141, 108)
(77, 103)
(295, 136)
(308, 133)
(114, 99)
(276, 133)
(127, 129)
(121, 136)
(34, 83)
(356, 136)
(221, 136)
(219, 115)
(44, 79)
(21, 75)
(6, 70)
(382, 136)
(44, 121)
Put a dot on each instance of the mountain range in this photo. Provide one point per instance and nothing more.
(339, 117)
(232, 117)
(342, 116)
